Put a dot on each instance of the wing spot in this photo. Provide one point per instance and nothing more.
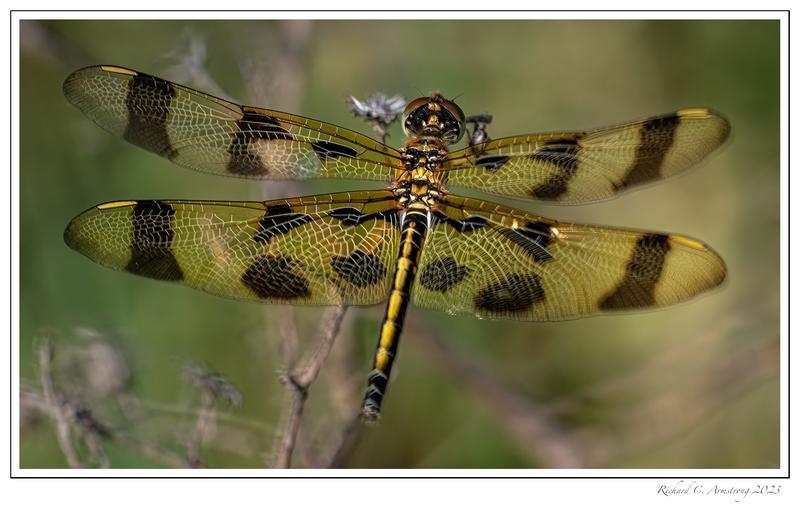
(151, 242)
(148, 103)
(642, 273)
(252, 127)
(655, 140)
(350, 216)
(327, 150)
(442, 274)
(515, 293)
(359, 269)
(279, 220)
(275, 277)
(563, 155)
(492, 163)
(469, 224)
(534, 239)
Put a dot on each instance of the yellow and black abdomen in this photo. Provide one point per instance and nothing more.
(412, 236)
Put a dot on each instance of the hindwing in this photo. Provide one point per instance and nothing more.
(496, 262)
(322, 250)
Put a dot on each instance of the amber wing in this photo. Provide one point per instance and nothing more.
(581, 167)
(326, 249)
(496, 262)
(212, 135)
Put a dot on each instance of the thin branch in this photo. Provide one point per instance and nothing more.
(37, 403)
(91, 433)
(330, 324)
(347, 442)
(55, 404)
(298, 382)
(217, 416)
(213, 387)
(201, 425)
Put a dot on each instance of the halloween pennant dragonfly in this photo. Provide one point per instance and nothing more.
(412, 239)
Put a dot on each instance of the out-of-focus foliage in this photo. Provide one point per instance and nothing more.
(692, 386)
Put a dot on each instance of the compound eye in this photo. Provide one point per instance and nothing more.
(457, 124)
(455, 110)
(415, 104)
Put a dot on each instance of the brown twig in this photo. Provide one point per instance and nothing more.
(36, 402)
(298, 382)
(91, 433)
(217, 416)
(213, 388)
(201, 425)
(347, 442)
(55, 404)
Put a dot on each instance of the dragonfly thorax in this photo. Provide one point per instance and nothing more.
(422, 159)
(426, 152)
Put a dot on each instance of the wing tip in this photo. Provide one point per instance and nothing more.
(716, 270)
(72, 78)
(72, 234)
(708, 114)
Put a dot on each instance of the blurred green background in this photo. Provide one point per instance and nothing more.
(693, 386)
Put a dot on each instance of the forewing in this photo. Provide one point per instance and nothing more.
(498, 262)
(580, 167)
(327, 249)
(212, 135)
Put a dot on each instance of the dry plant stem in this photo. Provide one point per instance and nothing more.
(531, 424)
(379, 131)
(283, 455)
(297, 384)
(95, 445)
(34, 401)
(204, 418)
(216, 416)
(349, 437)
(55, 404)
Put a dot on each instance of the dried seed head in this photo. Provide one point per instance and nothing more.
(378, 107)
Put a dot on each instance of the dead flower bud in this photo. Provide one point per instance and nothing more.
(377, 107)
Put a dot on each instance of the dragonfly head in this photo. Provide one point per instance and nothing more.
(434, 116)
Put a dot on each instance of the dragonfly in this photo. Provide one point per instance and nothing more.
(411, 239)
